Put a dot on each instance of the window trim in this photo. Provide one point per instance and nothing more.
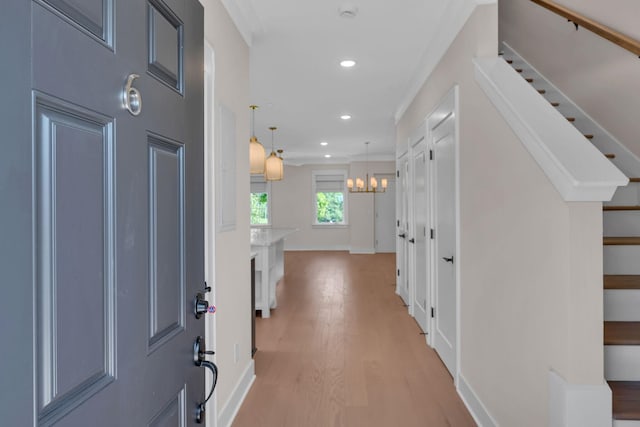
(269, 203)
(314, 200)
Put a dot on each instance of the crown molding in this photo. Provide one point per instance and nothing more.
(454, 18)
(244, 16)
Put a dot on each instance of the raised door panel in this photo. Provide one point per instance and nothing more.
(74, 280)
(165, 45)
(93, 16)
(167, 242)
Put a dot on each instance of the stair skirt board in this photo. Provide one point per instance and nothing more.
(621, 259)
(626, 160)
(622, 305)
(622, 362)
(626, 423)
(621, 223)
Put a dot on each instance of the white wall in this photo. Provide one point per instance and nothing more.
(577, 60)
(232, 282)
(530, 264)
(292, 206)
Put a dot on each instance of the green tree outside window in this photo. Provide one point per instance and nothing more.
(259, 209)
(330, 207)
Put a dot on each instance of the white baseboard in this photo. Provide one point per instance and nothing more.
(365, 251)
(230, 409)
(473, 403)
(288, 247)
(578, 405)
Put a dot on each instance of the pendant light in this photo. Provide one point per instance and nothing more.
(368, 185)
(273, 164)
(280, 151)
(256, 150)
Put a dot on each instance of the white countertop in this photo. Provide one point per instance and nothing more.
(269, 236)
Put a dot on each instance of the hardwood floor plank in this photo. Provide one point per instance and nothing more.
(341, 350)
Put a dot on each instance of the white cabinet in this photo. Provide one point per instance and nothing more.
(268, 243)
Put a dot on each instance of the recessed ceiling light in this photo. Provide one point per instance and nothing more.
(345, 117)
(348, 63)
(327, 156)
(323, 143)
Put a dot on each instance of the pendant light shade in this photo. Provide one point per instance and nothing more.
(281, 163)
(273, 164)
(256, 150)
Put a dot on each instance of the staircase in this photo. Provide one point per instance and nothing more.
(621, 226)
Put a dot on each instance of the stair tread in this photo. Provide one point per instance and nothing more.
(621, 281)
(622, 240)
(621, 208)
(626, 399)
(621, 333)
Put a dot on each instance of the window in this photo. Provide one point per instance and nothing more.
(260, 195)
(329, 197)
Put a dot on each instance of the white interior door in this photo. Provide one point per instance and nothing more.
(385, 215)
(403, 230)
(445, 258)
(419, 237)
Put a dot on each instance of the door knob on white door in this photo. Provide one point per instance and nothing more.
(448, 259)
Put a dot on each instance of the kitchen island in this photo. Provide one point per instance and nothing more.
(268, 243)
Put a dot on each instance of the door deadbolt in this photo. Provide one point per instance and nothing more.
(201, 305)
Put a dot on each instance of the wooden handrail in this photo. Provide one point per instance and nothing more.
(608, 33)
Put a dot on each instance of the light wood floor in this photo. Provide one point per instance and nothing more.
(341, 350)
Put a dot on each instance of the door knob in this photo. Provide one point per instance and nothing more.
(403, 235)
(448, 259)
(412, 240)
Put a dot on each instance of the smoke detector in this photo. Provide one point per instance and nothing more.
(348, 10)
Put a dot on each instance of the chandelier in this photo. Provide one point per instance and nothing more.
(368, 185)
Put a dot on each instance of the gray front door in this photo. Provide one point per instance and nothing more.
(101, 214)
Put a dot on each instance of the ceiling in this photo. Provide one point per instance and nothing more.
(297, 82)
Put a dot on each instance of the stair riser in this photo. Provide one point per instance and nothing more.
(622, 362)
(622, 305)
(626, 423)
(621, 259)
(621, 223)
(628, 195)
